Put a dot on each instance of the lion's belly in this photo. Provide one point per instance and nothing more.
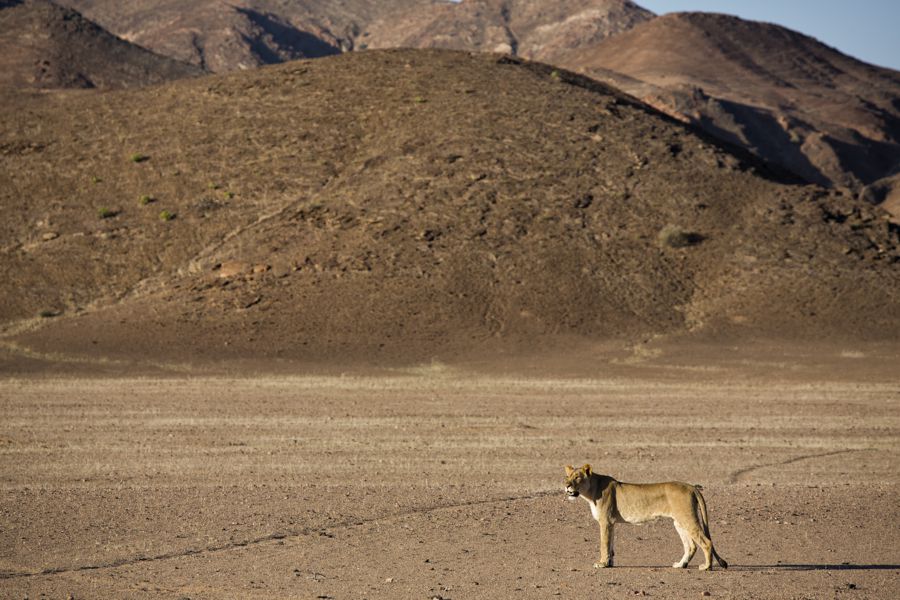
(625, 516)
(637, 503)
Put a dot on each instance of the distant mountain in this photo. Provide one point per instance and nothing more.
(226, 36)
(43, 45)
(222, 36)
(785, 96)
(532, 29)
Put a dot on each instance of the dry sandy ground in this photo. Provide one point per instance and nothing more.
(433, 484)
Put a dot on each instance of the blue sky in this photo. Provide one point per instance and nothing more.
(865, 29)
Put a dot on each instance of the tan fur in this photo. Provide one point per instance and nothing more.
(614, 502)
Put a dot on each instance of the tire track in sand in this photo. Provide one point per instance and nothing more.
(739, 474)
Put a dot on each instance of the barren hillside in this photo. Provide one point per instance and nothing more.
(43, 45)
(787, 97)
(404, 205)
(225, 36)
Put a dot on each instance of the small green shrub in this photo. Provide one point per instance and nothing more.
(96, 179)
(137, 157)
(165, 215)
(48, 314)
(145, 200)
(420, 100)
(106, 213)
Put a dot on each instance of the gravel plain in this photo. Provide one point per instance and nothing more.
(438, 484)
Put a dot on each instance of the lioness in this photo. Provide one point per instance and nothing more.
(613, 502)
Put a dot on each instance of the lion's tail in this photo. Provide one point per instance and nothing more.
(704, 520)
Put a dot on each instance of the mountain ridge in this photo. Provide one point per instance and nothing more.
(236, 35)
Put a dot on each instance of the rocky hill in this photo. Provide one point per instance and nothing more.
(787, 97)
(226, 36)
(43, 45)
(404, 205)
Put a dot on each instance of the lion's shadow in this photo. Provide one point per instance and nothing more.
(816, 567)
(782, 567)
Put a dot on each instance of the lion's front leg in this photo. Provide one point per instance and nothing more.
(606, 545)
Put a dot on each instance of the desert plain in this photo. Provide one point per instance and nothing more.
(446, 482)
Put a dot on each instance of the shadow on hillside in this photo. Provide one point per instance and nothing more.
(286, 41)
(762, 132)
(722, 139)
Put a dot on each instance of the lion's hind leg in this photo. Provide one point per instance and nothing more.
(700, 504)
(705, 544)
(693, 531)
(689, 547)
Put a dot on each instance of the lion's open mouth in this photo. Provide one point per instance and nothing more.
(571, 494)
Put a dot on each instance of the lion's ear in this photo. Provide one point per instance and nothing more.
(569, 470)
(587, 469)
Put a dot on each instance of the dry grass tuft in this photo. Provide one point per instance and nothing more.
(672, 236)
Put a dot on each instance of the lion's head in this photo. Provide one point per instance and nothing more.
(577, 480)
